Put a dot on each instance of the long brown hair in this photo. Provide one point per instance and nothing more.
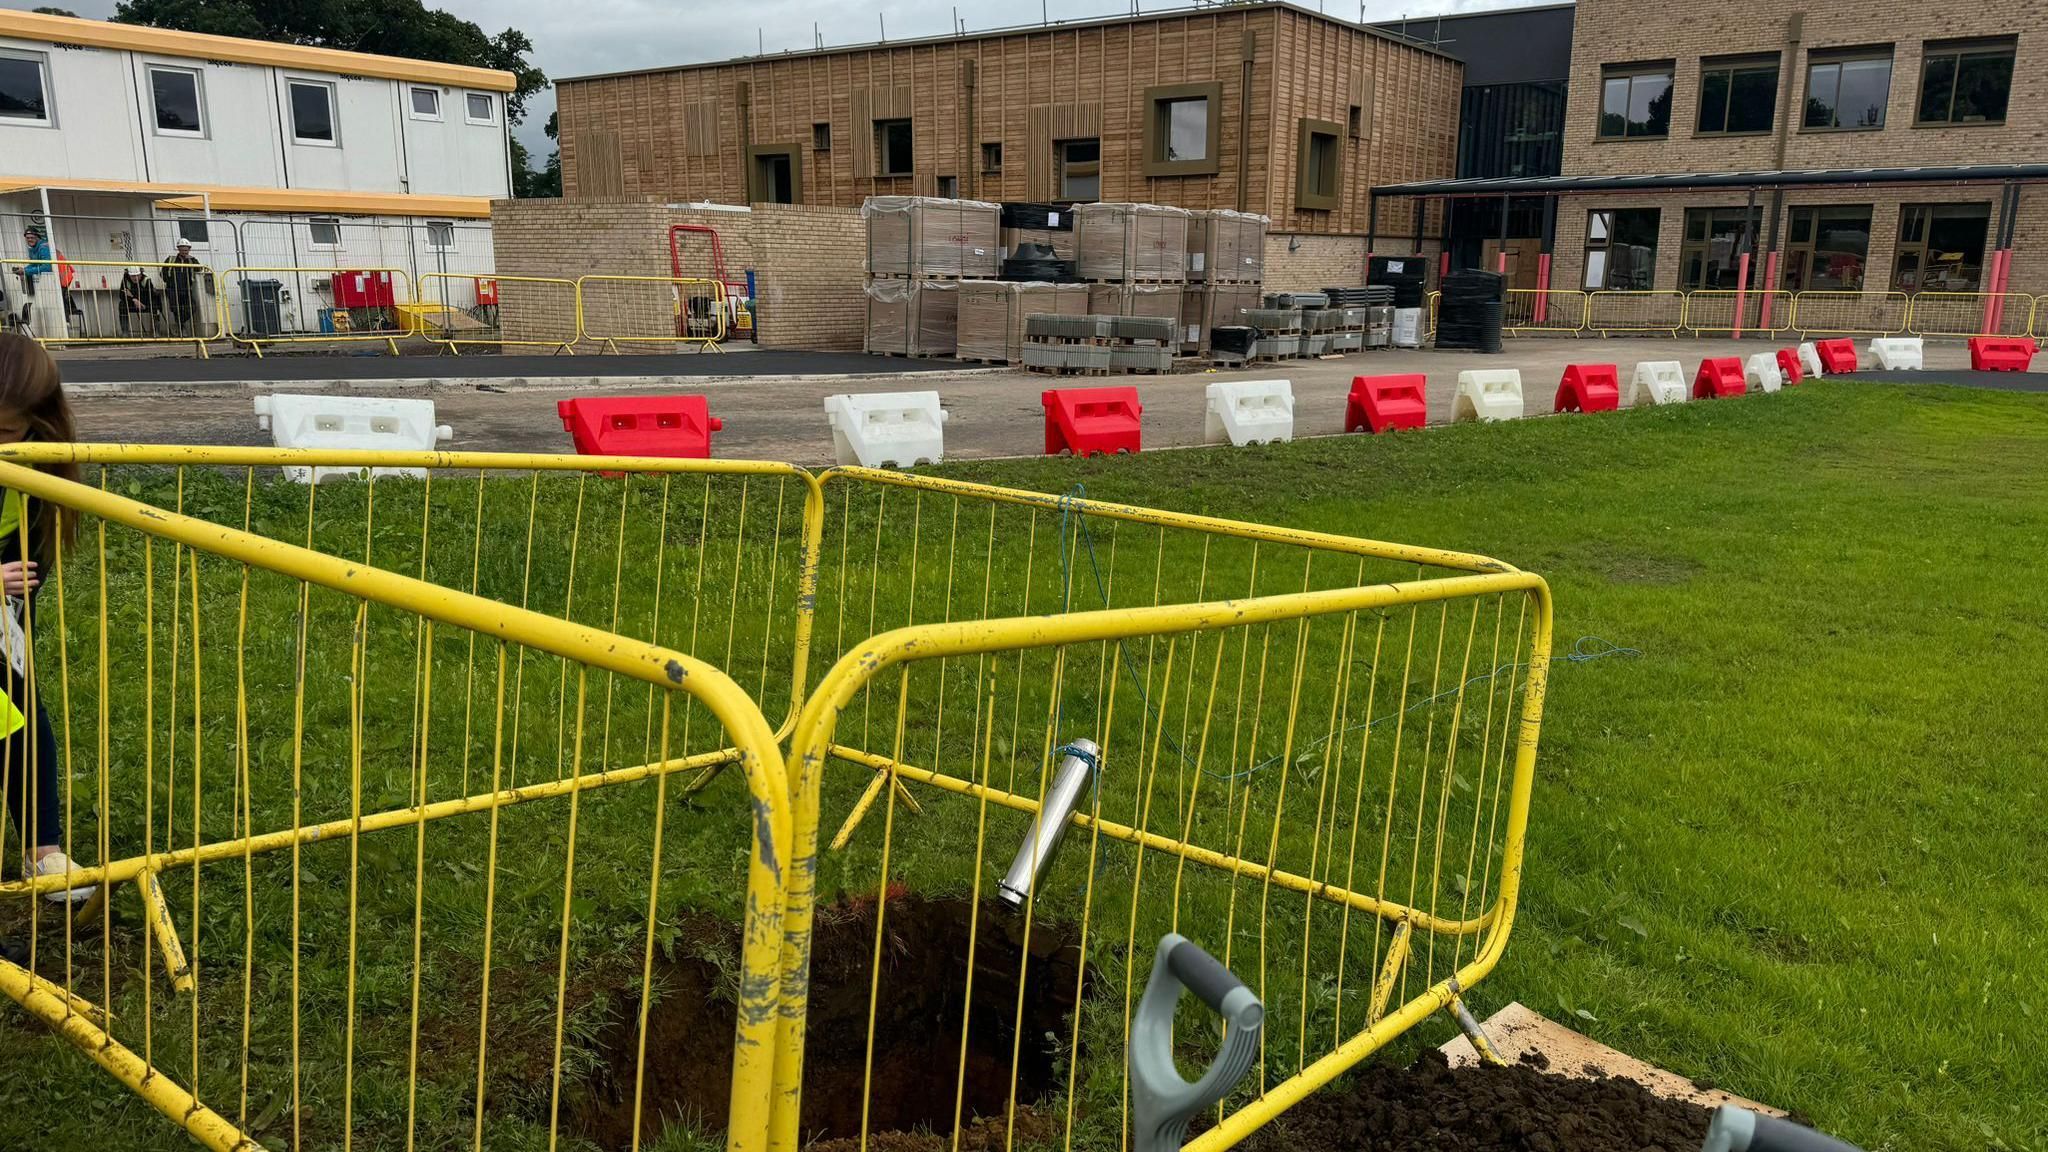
(31, 386)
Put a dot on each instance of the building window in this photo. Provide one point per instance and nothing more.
(324, 232)
(1635, 101)
(1079, 163)
(24, 90)
(175, 92)
(821, 137)
(1355, 122)
(426, 103)
(1621, 249)
(440, 235)
(1941, 247)
(480, 108)
(1714, 238)
(312, 112)
(992, 158)
(1319, 166)
(949, 187)
(195, 233)
(1182, 129)
(777, 173)
(1738, 96)
(892, 147)
(1848, 90)
(1965, 82)
(1826, 248)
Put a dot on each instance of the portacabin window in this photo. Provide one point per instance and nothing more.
(324, 232)
(426, 103)
(194, 231)
(24, 87)
(440, 235)
(480, 108)
(1738, 95)
(1635, 101)
(312, 112)
(1965, 81)
(1847, 89)
(175, 96)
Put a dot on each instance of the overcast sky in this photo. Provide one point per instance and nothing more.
(577, 37)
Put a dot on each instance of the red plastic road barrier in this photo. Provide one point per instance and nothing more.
(1788, 366)
(1836, 356)
(1719, 377)
(676, 427)
(1085, 421)
(1589, 388)
(1378, 403)
(2000, 354)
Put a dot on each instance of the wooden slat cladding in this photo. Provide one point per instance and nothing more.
(1024, 91)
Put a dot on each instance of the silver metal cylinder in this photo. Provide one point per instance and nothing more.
(1034, 857)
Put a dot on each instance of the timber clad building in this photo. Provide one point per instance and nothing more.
(1261, 107)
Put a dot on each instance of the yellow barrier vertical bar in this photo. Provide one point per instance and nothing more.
(483, 1020)
(1443, 801)
(419, 893)
(1331, 736)
(654, 620)
(1141, 820)
(618, 581)
(1422, 776)
(1479, 790)
(476, 563)
(867, 1075)
(198, 782)
(568, 908)
(653, 910)
(1500, 762)
(1394, 777)
(105, 846)
(525, 591)
(985, 729)
(568, 613)
(245, 810)
(1045, 763)
(1372, 684)
(298, 813)
(1301, 634)
(774, 566)
(149, 789)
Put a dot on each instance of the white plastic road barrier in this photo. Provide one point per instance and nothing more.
(1897, 353)
(1250, 412)
(1657, 382)
(887, 429)
(349, 422)
(1809, 360)
(1488, 394)
(1761, 372)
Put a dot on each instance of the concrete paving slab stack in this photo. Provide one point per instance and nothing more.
(919, 250)
(992, 312)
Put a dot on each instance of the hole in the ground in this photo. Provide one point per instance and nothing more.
(916, 1030)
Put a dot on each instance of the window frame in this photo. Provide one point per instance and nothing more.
(312, 241)
(821, 136)
(1665, 69)
(1799, 254)
(449, 227)
(412, 108)
(178, 232)
(1956, 50)
(1687, 245)
(1747, 62)
(41, 60)
(489, 118)
(793, 153)
(1605, 247)
(149, 71)
(1837, 57)
(1307, 196)
(991, 157)
(882, 127)
(1158, 105)
(943, 192)
(1063, 168)
(333, 111)
(1901, 246)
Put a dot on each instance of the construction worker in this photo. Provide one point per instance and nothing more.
(181, 288)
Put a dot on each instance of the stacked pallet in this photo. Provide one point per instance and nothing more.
(1134, 258)
(1096, 345)
(920, 250)
(992, 314)
(1226, 268)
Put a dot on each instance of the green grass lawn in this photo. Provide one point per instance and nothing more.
(1790, 848)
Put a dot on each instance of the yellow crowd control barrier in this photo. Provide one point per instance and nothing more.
(1965, 314)
(1650, 310)
(1829, 313)
(1545, 310)
(307, 305)
(615, 310)
(1764, 311)
(302, 763)
(461, 310)
(112, 302)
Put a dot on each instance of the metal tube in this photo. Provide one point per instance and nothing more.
(1034, 857)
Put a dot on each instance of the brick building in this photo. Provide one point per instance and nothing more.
(1259, 107)
(1875, 147)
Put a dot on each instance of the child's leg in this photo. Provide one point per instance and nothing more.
(30, 757)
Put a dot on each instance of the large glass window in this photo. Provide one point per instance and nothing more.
(892, 148)
(1941, 247)
(312, 112)
(175, 93)
(1738, 95)
(1965, 82)
(1621, 249)
(1848, 90)
(1827, 248)
(1080, 168)
(1635, 100)
(24, 92)
(1714, 238)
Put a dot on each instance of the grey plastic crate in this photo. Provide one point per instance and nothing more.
(1347, 341)
(1315, 344)
(1287, 319)
(1297, 300)
(1045, 355)
(1274, 347)
(1088, 356)
(1160, 328)
(1142, 357)
(1070, 327)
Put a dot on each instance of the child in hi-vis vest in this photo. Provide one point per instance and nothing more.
(32, 407)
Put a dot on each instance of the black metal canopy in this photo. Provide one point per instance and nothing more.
(1781, 178)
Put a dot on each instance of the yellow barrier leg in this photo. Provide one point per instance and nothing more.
(203, 353)
(166, 931)
(867, 801)
(50, 1004)
(1481, 1042)
(88, 913)
(1383, 986)
(391, 342)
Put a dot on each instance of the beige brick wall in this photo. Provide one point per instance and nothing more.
(1318, 262)
(1635, 31)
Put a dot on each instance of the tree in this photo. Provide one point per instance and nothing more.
(386, 27)
(55, 11)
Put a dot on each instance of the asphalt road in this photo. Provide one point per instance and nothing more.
(373, 363)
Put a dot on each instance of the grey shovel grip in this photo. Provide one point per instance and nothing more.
(1737, 1129)
(1164, 1103)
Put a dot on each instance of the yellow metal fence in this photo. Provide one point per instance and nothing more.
(1315, 759)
